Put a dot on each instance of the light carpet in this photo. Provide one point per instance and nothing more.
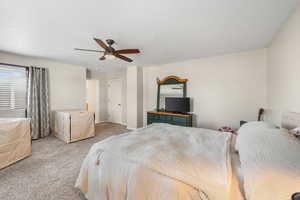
(50, 173)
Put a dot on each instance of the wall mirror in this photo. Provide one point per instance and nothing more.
(171, 86)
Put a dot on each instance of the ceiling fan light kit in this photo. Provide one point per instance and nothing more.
(110, 57)
(109, 52)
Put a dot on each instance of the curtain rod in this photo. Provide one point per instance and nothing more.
(12, 65)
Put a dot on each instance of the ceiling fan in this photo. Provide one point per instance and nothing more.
(109, 52)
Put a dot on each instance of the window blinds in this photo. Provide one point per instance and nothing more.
(13, 84)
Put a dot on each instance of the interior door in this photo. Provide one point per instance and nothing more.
(115, 101)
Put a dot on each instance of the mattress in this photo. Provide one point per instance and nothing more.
(15, 140)
(73, 125)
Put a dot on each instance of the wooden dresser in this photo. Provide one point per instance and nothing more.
(170, 118)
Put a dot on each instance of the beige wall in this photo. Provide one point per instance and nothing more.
(103, 78)
(140, 97)
(134, 97)
(284, 69)
(67, 82)
(93, 98)
(224, 89)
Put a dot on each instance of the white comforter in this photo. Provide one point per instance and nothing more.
(159, 162)
(270, 160)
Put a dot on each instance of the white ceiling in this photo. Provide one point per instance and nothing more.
(164, 30)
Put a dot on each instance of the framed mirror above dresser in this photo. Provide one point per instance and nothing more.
(171, 86)
(173, 105)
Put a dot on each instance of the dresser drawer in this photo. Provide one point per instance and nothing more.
(152, 116)
(180, 119)
(166, 118)
(170, 118)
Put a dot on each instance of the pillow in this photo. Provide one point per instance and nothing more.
(251, 128)
(270, 164)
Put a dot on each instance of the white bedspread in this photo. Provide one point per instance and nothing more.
(270, 160)
(159, 162)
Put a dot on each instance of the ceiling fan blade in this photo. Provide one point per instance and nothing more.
(77, 49)
(127, 51)
(123, 57)
(101, 43)
(102, 58)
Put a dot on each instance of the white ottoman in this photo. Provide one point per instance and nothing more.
(73, 125)
(15, 140)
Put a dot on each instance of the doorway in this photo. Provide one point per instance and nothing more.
(114, 101)
(92, 98)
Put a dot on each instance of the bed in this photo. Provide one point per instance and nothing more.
(73, 125)
(162, 162)
(170, 162)
(15, 140)
(270, 159)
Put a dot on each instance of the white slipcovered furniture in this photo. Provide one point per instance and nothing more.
(73, 125)
(15, 140)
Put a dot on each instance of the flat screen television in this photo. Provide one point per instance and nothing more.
(177, 104)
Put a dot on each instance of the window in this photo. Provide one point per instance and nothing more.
(13, 84)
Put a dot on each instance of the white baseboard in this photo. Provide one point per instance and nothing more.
(129, 128)
(106, 121)
(132, 129)
(101, 122)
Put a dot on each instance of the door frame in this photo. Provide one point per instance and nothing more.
(122, 92)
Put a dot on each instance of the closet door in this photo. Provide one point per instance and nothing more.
(115, 101)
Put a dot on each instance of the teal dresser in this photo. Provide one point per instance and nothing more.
(170, 118)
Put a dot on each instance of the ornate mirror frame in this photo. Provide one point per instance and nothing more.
(169, 80)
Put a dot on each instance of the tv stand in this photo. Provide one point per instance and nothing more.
(179, 119)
